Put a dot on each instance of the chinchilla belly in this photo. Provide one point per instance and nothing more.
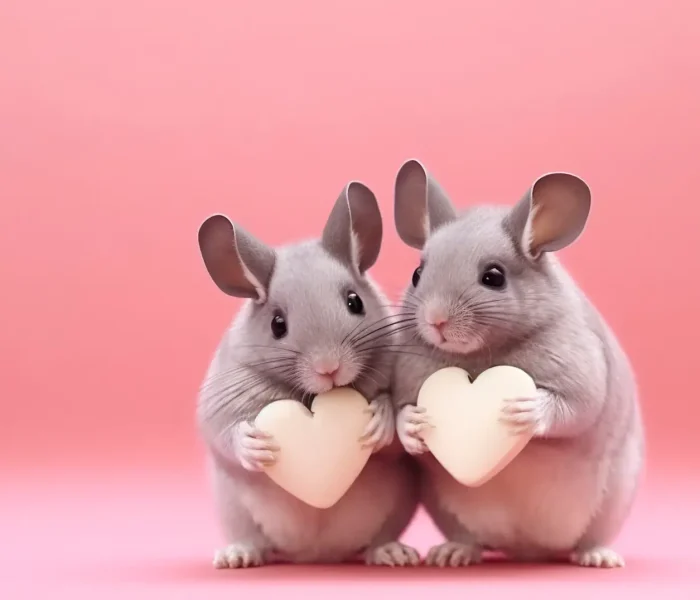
(542, 502)
(300, 533)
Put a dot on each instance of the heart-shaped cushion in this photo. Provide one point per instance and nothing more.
(468, 438)
(320, 451)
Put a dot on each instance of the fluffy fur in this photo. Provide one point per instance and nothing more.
(570, 490)
(325, 345)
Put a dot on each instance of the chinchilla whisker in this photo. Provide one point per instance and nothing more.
(247, 367)
(411, 294)
(282, 375)
(366, 326)
(376, 330)
(411, 300)
(398, 320)
(414, 336)
(495, 322)
(358, 326)
(384, 346)
(475, 305)
(267, 347)
(486, 319)
(226, 398)
(385, 337)
(413, 309)
(408, 353)
(461, 297)
(225, 388)
(374, 324)
(379, 359)
(488, 349)
(371, 377)
(222, 385)
(389, 333)
(223, 394)
(263, 399)
(367, 367)
(223, 375)
(362, 326)
(391, 350)
(398, 350)
(242, 365)
(495, 312)
(297, 390)
(491, 309)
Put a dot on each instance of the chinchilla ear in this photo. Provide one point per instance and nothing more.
(353, 232)
(239, 264)
(420, 204)
(551, 215)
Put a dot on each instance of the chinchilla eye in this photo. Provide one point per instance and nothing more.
(493, 277)
(278, 326)
(416, 276)
(354, 303)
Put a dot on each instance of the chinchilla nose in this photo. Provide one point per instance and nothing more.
(436, 316)
(326, 366)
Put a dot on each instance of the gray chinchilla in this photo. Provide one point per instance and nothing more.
(489, 292)
(313, 320)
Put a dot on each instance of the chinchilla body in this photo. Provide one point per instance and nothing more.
(488, 291)
(312, 320)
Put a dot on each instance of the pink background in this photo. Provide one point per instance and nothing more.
(124, 124)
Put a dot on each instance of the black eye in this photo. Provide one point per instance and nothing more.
(416, 276)
(493, 277)
(278, 326)
(354, 303)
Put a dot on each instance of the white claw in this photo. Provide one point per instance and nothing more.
(393, 554)
(238, 557)
(453, 554)
(599, 557)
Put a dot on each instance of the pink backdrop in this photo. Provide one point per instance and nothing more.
(124, 124)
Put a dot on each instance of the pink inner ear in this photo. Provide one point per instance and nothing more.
(546, 224)
(411, 210)
(559, 211)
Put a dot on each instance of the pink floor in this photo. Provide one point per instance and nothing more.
(151, 535)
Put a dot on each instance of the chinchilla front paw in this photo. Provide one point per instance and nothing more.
(529, 414)
(237, 556)
(255, 449)
(379, 432)
(393, 554)
(598, 557)
(409, 424)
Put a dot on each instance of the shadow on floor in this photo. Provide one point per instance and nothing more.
(193, 571)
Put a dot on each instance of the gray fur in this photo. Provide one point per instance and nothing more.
(308, 283)
(571, 488)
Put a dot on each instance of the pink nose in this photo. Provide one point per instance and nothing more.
(440, 327)
(436, 320)
(326, 367)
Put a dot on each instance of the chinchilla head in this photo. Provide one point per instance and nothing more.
(314, 320)
(486, 276)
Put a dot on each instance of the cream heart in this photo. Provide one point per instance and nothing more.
(320, 453)
(467, 436)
